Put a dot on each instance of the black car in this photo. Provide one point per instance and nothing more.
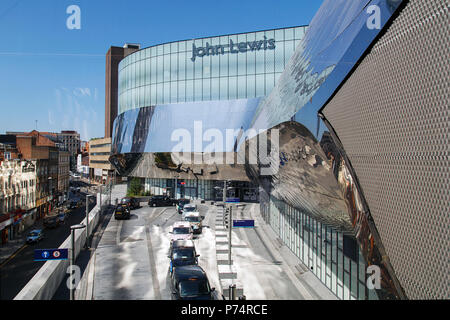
(182, 253)
(122, 212)
(181, 203)
(191, 283)
(161, 201)
(51, 221)
(73, 204)
(133, 203)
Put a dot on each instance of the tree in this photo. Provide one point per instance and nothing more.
(135, 187)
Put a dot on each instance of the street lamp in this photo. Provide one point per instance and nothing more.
(87, 221)
(72, 256)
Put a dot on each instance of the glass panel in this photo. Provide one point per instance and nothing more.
(288, 34)
(242, 63)
(173, 92)
(215, 66)
(232, 88)
(189, 90)
(166, 67)
(174, 67)
(166, 92)
(223, 88)
(153, 69)
(153, 94)
(206, 89)
(198, 90)
(182, 66)
(159, 93)
(215, 89)
(242, 87)
(251, 86)
(260, 85)
(159, 69)
(270, 82)
(259, 62)
(279, 57)
(189, 68)
(181, 91)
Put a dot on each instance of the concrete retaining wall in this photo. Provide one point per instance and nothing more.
(47, 280)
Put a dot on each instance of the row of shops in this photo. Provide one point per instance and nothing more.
(13, 224)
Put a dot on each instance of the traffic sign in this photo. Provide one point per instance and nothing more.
(50, 254)
(243, 223)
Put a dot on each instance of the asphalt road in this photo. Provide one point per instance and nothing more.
(131, 259)
(17, 271)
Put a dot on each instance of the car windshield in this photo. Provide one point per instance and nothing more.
(194, 287)
(189, 209)
(192, 219)
(34, 233)
(183, 254)
(181, 230)
(125, 200)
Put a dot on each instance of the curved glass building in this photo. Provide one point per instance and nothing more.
(225, 67)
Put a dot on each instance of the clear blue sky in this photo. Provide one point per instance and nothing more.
(56, 76)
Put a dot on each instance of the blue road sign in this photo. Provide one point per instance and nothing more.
(243, 223)
(50, 254)
(232, 200)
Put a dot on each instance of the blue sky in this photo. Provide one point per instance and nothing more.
(56, 76)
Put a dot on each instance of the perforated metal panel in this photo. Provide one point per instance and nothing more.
(392, 117)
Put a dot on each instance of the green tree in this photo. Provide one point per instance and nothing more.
(135, 187)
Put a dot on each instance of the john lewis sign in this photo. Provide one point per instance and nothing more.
(265, 44)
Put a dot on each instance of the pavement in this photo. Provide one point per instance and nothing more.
(265, 268)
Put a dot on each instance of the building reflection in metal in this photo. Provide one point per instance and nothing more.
(314, 178)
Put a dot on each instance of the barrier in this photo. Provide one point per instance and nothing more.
(48, 278)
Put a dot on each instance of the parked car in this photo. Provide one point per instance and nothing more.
(191, 283)
(195, 220)
(51, 221)
(181, 203)
(122, 212)
(161, 201)
(35, 236)
(182, 253)
(181, 230)
(132, 202)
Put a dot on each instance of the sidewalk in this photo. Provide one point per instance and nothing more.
(262, 266)
(12, 246)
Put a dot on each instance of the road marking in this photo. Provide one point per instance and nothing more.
(119, 231)
(151, 257)
(13, 255)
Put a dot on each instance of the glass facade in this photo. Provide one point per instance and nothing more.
(217, 68)
(332, 256)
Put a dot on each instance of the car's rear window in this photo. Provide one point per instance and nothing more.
(181, 230)
(193, 287)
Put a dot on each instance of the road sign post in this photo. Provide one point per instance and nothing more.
(72, 256)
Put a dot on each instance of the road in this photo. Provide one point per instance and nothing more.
(18, 270)
(131, 259)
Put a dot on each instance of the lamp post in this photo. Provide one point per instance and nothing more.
(72, 256)
(87, 221)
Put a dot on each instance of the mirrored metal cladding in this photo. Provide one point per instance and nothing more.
(315, 179)
(312, 173)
